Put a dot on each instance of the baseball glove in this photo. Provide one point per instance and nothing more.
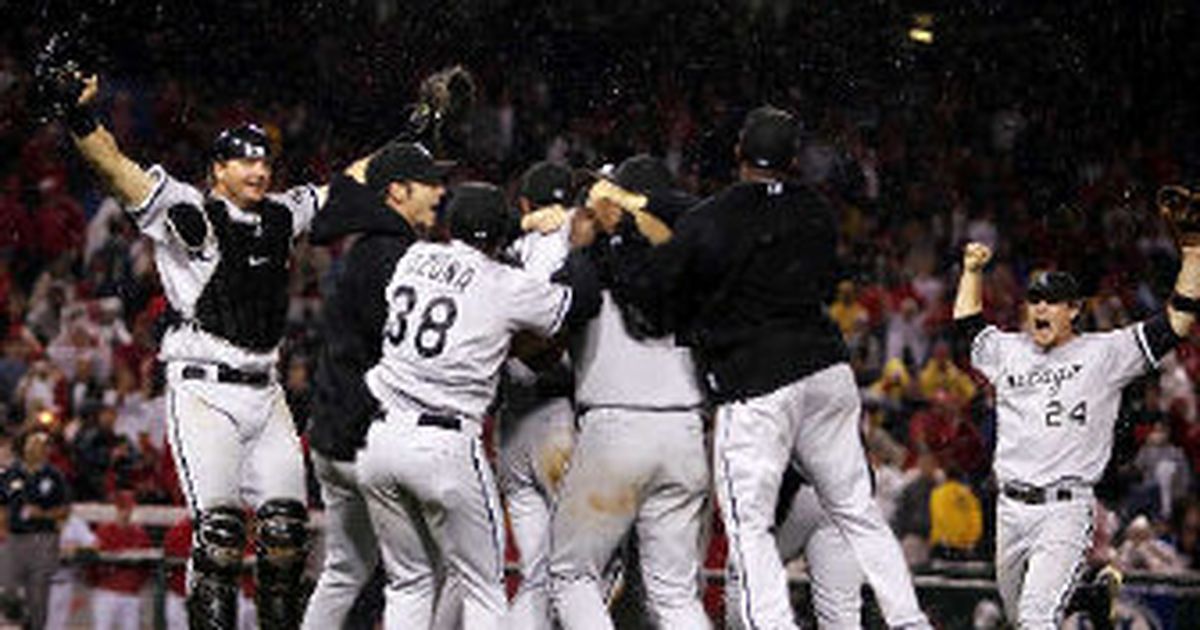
(445, 99)
(57, 78)
(1180, 208)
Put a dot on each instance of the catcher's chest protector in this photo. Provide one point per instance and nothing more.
(245, 301)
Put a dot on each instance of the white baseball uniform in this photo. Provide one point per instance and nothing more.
(814, 422)
(230, 440)
(639, 461)
(1055, 412)
(430, 491)
(537, 433)
(835, 578)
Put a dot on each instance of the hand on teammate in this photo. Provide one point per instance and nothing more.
(583, 228)
(544, 220)
(606, 190)
(976, 256)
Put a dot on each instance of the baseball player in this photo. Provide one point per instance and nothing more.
(804, 528)
(742, 279)
(1057, 398)
(639, 461)
(223, 257)
(452, 309)
(537, 419)
(389, 208)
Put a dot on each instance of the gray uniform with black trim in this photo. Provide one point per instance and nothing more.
(1055, 410)
(230, 441)
(430, 490)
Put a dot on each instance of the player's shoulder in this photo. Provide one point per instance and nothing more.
(295, 197)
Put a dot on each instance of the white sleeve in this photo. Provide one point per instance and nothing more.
(302, 201)
(543, 254)
(987, 353)
(534, 303)
(153, 214)
(1128, 354)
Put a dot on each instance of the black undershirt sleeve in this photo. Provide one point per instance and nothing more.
(1160, 336)
(966, 328)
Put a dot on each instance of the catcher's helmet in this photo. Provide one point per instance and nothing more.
(248, 141)
(478, 214)
(1053, 287)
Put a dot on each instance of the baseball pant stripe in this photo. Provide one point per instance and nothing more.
(735, 535)
(1064, 598)
(184, 469)
(487, 504)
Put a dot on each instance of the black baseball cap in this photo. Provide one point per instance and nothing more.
(769, 138)
(478, 214)
(546, 183)
(247, 141)
(405, 162)
(644, 174)
(1052, 287)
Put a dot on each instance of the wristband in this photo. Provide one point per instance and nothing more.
(1185, 304)
(80, 121)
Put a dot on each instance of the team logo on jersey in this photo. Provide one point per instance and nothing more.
(1054, 376)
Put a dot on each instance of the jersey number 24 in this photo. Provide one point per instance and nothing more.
(429, 338)
(1055, 412)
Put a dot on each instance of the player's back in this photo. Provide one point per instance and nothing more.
(451, 313)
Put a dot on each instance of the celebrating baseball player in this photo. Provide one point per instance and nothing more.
(742, 280)
(223, 258)
(388, 201)
(1058, 392)
(537, 419)
(639, 461)
(802, 527)
(452, 310)
(390, 208)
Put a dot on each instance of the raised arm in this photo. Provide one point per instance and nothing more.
(969, 300)
(123, 177)
(1185, 303)
(608, 200)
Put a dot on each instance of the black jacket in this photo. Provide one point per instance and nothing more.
(743, 281)
(353, 314)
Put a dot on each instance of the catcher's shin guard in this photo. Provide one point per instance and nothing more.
(281, 546)
(216, 568)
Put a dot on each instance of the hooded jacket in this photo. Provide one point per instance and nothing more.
(353, 313)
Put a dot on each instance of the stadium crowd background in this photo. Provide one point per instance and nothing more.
(1043, 134)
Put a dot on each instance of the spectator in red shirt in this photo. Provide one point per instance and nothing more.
(117, 601)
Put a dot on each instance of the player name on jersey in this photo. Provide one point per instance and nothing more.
(441, 267)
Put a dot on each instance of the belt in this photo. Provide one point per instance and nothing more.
(1034, 495)
(223, 373)
(451, 423)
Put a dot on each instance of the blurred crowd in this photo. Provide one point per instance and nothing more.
(1044, 184)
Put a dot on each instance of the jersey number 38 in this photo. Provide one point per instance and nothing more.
(438, 316)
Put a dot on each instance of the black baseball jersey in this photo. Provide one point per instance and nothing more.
(743, 281)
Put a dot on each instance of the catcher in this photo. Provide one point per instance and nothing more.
(223, 257)
(1058, 392)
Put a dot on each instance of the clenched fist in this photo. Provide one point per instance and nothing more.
(976, 256)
